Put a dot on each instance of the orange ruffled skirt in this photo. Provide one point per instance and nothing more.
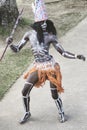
(47, 71)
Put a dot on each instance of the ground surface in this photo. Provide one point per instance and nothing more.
(65, 14)
(43, 109)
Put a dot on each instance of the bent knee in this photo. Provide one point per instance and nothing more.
(54, 96)
(27, 88)
(54, 93)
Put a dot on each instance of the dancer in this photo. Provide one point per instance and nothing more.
(44, 66)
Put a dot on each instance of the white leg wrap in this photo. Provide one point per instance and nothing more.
(59, 105)
(28, 83)
(25, 96)
(53, 88)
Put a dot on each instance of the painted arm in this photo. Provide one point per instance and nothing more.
(24, 40)
(67, 54)
(21, 44)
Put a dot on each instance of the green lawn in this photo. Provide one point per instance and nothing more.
(11, 67)
(66, 14)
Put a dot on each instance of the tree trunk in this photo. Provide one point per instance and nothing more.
(8, 12)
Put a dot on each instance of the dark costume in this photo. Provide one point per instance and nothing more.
(44, 67)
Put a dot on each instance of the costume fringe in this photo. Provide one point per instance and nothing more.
(52, 74)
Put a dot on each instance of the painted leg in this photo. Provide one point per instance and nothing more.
(58, 102)
(27, 114)
(26, 100)
(32, 79)
(59, 105)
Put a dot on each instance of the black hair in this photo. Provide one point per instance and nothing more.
(50, 29)
(37, 27)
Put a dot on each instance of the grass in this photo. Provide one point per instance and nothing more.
(5, 31)
(66, 15)
(25, 22)
(11, 67)
(68, 21)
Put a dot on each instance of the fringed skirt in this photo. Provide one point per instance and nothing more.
(49, 70)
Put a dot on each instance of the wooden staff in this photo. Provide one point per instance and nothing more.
(12, 33)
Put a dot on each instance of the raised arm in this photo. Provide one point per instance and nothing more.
(21, 43)
(24, 40)
(66, 54)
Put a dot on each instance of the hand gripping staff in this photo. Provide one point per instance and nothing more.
(10, 38)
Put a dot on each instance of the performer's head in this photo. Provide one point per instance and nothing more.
(42, 26)
(42, 23)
